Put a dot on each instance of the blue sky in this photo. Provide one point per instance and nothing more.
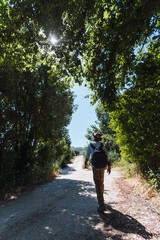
(82, 118)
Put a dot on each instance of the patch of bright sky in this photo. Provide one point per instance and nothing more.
(82, 118)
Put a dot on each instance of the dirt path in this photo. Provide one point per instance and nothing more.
(66, 209)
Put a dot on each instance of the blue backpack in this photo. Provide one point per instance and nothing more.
(99, 158)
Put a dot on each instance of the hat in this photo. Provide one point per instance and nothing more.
(97, 136)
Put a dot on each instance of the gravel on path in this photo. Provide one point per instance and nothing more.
(66, 209)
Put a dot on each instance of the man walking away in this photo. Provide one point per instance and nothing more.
(99, 163)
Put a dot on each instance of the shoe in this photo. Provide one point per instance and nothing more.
(101, 208)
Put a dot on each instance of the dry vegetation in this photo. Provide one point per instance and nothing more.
(147, 192)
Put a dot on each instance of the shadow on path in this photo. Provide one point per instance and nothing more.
(68, 210)
(67, 170)
(123, 223)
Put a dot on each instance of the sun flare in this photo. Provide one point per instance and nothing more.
(53, 40)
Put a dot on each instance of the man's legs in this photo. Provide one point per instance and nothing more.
(98, 177)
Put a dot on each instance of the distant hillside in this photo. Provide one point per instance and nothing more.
(80, 149)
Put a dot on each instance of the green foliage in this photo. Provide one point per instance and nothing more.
(135, 116)
(113, 156)
(20, 40)
(137, 125)
(90, 131)
(77, 149)
(75, 153)
(108, 135)
(154, 178)
(35, 110)
(136, 120)
(36, 102)
(103, 35)
(84, 157)
(103, 120)
(100, 41)
(97, 38)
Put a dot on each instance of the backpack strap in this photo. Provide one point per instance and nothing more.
(100, 148)
(93, 146)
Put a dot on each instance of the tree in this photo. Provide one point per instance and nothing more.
(100, 38)
(98, 41)
(36, 100)
(35, 111)
(136, 120)
(102, 125)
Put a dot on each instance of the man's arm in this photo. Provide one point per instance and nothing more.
(108, 165)
(109, 169)
(87, 156)
(86, 161)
